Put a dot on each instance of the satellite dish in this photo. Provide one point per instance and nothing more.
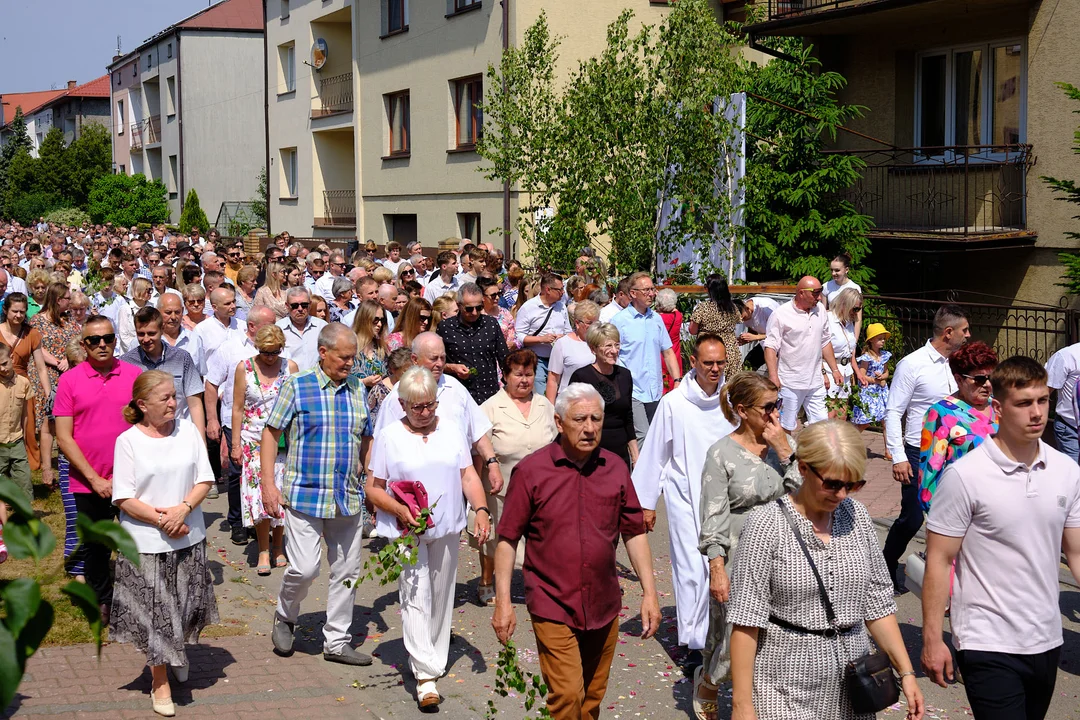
(319, 52)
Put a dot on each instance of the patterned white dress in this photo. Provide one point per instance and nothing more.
(799, 676)
(258, 401)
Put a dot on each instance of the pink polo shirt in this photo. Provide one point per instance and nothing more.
(95, 402)
(798, 337)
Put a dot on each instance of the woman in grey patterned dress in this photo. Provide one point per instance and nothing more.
(751, 466)
(782, 664)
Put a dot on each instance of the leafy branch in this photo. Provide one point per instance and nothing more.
(386, 565)
(509, 676)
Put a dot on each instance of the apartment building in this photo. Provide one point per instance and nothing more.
(961, 100)
(372, 118)
(71, 111)
(29, 103)
(187, 106)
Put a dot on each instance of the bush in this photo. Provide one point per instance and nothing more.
(192, 215)
(125, 200)
(26, 208)
(70, 217)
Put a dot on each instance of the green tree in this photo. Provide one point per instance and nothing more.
(89, 157)
(126, 200)
(17, 143)
(260, 204)
(192, 216)
(51, 172)
(1070, 193)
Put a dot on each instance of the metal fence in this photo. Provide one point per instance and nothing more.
(779, 9)
(335, 94)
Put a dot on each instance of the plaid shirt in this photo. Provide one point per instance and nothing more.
(325, 424)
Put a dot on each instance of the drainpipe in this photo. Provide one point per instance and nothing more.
(506, 183)
(266, 115)
(179, 124)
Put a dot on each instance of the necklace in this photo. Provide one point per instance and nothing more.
(422, 432)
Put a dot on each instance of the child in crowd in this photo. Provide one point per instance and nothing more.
(73, 562)
(15, 394)
(875, 396)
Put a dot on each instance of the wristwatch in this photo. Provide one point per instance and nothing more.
(491, 460)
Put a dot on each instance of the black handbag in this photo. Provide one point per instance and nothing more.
(869, 680)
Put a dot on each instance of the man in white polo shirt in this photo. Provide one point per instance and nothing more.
(1063, 371)
(1004, 512)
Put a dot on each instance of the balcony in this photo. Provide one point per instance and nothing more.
(957, 193)
(136, 137)
(152, 130)
(335, 96)
(814, 18)
(339, 209)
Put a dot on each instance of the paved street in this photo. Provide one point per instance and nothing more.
(238, 676)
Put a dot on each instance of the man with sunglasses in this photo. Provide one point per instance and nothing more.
(89, 404)
(325, 285)
(797, 339)
(233, 263)
(301, 330)
(475, 344)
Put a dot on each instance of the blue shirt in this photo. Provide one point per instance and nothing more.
(642, 337)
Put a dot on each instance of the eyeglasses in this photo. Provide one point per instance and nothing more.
(315, 273)
(338, 264)
(837, 485)
(407, 272)
(769, 408)
(233, 255)
(492, 296)
(95, 340)
(299, 305)
(424, 407)
(273, 353)
(472, 308)
(812, 291)
(979, 379)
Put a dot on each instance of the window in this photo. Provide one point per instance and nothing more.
(469, 120)
(117, 79)
(289, 187)
(286, 68)
(121, 118)
(172, 177)
(123, 169)
(395, 16)
(170, 97)
(400, 228)
(284, 9)
(456, 6)
(973, 95)
(469, 226)
(134, 69)
(168, 49)
(397, 111)
(148, 60)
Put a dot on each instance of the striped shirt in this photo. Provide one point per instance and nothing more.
(325, 424)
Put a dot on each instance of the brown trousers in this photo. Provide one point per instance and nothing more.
(575, 665)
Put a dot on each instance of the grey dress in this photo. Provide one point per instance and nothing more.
(733, 482)
(799, 676)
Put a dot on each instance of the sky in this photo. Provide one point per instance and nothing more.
(45, 43)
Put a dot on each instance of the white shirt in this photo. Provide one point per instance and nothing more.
(221, 371)
(763, 310)
(832, 289)
(1063, 370)
(609, 311)
(437, 287)
(16, 284)
(843, 339)
(189, 342)
(530, 321)
(392, 266)
(325, 286)
(1011, 518)
(798, 337)
(165, 472)
(455, 404)
(303, 348)
(567, 355)
(214, 335)
(920, 380)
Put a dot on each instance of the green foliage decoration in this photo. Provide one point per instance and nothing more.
(260, 204)
(509, 676)
(126, 200)
(68, 217)
(192, 216)
(1069, 192)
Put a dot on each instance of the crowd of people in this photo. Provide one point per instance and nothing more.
(336, 396)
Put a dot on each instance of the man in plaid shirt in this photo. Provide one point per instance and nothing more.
(329, 431)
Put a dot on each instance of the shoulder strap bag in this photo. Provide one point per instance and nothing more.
(869, 680)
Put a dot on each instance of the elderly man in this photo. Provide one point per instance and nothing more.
(645, 342)
(301, 330)
(90, 399)
(329, 432)
(475, 344)
(154, 354)
(387, 296)
(687, 423)
(211, 262)
(572, 500)
(446, 280)
(220, 372)
(540, 322)
(325, 285)
(796, 340)
(454, 402)
(175, 334)
(919, 380)
(162, 277)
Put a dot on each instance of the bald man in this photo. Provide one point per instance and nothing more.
(387, 297)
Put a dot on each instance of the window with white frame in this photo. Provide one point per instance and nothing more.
(468, 93)
(289, 186)
(397, 112)
(286, 68)
(973, 95)
(121, 118)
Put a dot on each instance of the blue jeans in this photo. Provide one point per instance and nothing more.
(540, 382)
(1066, 439)
(909, 520)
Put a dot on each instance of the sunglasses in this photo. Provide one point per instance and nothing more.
(378, 321)
(979, 379)
(407, 272)
(298, 305)
(425, 318)
(768, 408)
(472, 308)
(837, 485)
(492, 296)
(95, 340)
(857, 308)
(813, 292)
(273, 353)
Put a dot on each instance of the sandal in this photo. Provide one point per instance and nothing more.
(485, 594)
(280, 560)
(704, 707)
(263, 568)
(427, 696)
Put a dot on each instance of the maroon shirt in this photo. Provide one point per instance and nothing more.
(571, 520)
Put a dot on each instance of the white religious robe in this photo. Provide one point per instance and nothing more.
(687, 423)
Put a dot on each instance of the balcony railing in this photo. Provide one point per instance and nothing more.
(339, 209)
(153, 129)
(956, 191)
(136, 136)
(782, 9)
(335, 95)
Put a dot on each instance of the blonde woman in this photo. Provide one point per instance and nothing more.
(369, 324)
(843, 313)
(444, 307)
(272, 293)
(571, 351)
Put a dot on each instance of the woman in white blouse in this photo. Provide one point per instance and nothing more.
(425, 447)
(161, 474)
(844, 311)
(571, 351)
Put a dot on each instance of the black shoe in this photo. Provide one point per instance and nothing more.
(282, 636)
(239, 536)
(348, 656)
(693, 660)
(899, 589)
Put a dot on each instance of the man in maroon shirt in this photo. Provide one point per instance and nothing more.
(571, 501)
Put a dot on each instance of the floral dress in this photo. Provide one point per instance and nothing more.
(952, 429)
(875, 397)
(259, 399)
(366, 366)
(506, 324)
(54, 339)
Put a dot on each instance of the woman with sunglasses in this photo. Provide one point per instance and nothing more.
(492, 293)
(843, 312)
(405, 273)
(958, 424)
(258, 381)
(751, 466)
(414, 319)
(194, 306)
(788, 659)
(369, 324)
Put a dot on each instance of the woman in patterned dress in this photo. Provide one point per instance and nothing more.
(370, 328)
(56, 330)
(718, 315)
(784, 665)
(955, 426)
(256, 387)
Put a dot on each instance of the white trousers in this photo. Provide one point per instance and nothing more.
(690, 569)
(813, 400)
(343, 541)
(426, 594)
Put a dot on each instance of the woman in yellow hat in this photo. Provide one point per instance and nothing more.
(875, 396)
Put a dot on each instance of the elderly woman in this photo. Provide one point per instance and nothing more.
(788, 658)
(78, 308)
(666, 306)
(342, 289)
(194, 306)
(425, 447)
(397, 362)
(616, 385)
(571, 351)
(413, 320)
(369, 324)
(843, 312)
(955, 426)
(490, 287)
(751, 466)
(37, 282)
(521, 422)
(256, 385)
(161, 475)
(245, 290)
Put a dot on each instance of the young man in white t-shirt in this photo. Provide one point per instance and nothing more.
(1004, 512)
